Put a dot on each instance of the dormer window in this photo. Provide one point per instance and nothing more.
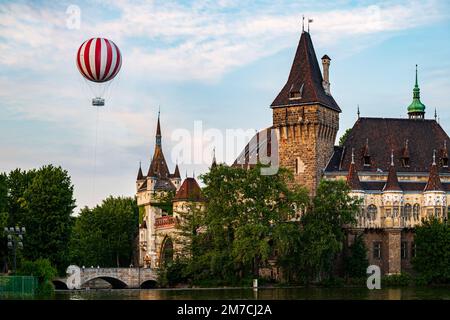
(405, 162)
(366, 161)
(295, 95)
(295, 92)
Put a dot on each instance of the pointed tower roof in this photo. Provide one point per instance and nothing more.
(214, 162)
(306, 78)
(140, 176)
(176, 173)
(158, 167)
(434, 181)
(416, 108)
(392, 180)
(352, 176)
(189, 191)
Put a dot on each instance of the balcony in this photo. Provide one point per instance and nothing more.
(165, 222)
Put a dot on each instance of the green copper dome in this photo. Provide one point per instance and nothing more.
(416, 107)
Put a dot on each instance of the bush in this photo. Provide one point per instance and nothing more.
(396, 280)
(43, 271)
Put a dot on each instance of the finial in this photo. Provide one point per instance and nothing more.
(434, 157)
(417, 83)
(353, 156)
(140, 164)
(435, 114)
(309, 21)
(357, 112)
(392, 157)
(186, 173)
(303, 23)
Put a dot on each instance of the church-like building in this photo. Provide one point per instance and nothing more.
(162, 198)
(398, 167)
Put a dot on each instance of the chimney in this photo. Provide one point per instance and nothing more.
(326, 74)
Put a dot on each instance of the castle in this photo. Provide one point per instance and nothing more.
(398, 167)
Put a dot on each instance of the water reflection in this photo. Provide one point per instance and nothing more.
(260, 294)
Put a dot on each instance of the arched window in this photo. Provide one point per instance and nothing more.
(407, 212)
(395, 210)
(416, 211)
(372, 212)
(166, 252)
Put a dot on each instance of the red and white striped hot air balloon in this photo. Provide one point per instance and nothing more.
(99, 60)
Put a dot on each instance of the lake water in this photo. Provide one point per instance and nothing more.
(408, 293)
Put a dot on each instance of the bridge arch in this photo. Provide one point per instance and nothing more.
(148, 284)
(115, 283)
(60, 284)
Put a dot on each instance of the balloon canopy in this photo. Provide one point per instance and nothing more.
(99, 59)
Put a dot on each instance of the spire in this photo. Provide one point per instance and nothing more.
(214, 163)
(305, 82)
(352, 177)
(176, 173)
(140, 176)
(434, 181)
(158, 131)
(416, 110)
(392, 180)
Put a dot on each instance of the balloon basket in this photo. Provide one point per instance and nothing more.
(98, 102)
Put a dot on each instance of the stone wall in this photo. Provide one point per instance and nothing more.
(306, 140)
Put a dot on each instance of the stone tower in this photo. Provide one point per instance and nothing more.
(306, 117)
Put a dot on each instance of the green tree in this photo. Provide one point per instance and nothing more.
(355, 261)
(3, 221)
(18, 182)
(432, 259)
(43, 270)
(322, 234)
(240, 221)
(344, 137)
(105, 234)
(48, 202)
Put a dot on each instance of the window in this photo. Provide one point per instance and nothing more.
(372, 212)
(366, 161)
(388, 213)
(405, 162)
(395, 210)
(413, 250)
(437, 212)
(377, 250)
(429, 213)
(407, 212)
(416, 211)
(445, 162)
(404, 249)
(295, 95)
(296, 166)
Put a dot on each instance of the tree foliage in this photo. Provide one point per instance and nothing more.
(43, 270)
(344, 137)
(432, 259)
(42, 201)
(105, 235)
(48, 204)
(355, 261)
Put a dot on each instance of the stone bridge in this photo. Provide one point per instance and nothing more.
(118, 278)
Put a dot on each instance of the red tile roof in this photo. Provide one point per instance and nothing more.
(189, 191)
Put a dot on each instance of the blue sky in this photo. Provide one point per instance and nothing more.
(219, 62)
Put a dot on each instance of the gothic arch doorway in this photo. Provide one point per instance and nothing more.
(166, 255)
